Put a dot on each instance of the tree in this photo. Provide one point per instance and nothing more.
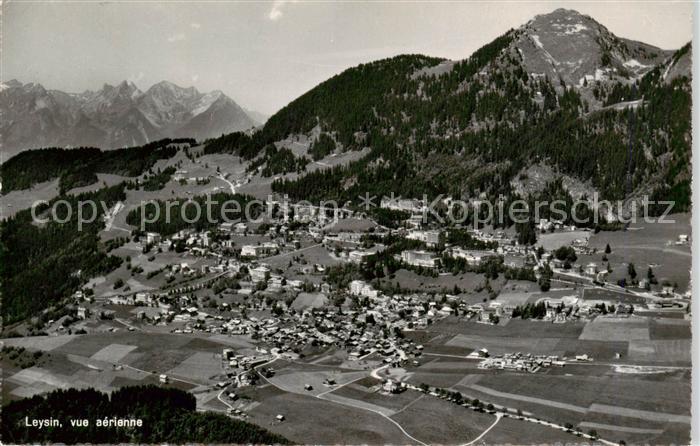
(545, 280)
(651, 277)
(631, 271)
(167, 416)
(607, 249)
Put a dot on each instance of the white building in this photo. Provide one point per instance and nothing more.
(473, 257)
(402, 204)
(266, 249)
(152, 238)
(259, 273)
(358, 256)
(430, 238)
(361, 288)
(425, 259)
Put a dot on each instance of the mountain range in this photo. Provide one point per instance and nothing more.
(558, 106)
(114, 116)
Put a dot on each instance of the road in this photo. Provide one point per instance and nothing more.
(169, 377)
(123, 322)
(230, 184)
(320, 397)
(222, 400)
(498, 418)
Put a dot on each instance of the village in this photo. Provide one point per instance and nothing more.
(360, 307)
(254, 280)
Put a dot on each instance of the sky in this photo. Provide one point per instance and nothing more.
(265, 54)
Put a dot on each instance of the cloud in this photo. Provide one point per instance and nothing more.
(276, 11)
(176, 37)
(195, 25)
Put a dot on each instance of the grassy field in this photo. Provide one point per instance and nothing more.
(515, 328)
(292, 377)
(668, 351)
(620, 329)
(436, 421)
(372, 395)
(108, 360)
(624, 396)
(309, 300)
(15, 201)
(612, 296)
(311, 420)
(660, 329)
(467, 282)
(648, 244)
(511, 431)
(554, 240)
(665, 396)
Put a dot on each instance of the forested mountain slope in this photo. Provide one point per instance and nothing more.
(561, 90)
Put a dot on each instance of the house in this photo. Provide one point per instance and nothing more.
(250, 251)
(392, 386)
(152, 238)
(259, 274)
(487, 315)
(591, 269)
(141, 298)
(163, 378)
(82, 313)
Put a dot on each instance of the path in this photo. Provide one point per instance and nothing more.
(319, 396)
(498, 418)
(230, 184)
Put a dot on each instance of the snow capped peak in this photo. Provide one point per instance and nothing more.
(169, 91)
(206, 101)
